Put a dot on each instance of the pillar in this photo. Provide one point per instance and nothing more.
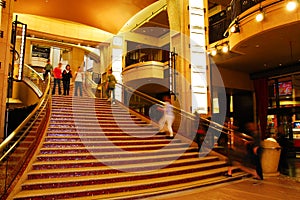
(188, 21)
(5, 59)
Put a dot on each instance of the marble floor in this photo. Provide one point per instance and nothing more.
(282, 187)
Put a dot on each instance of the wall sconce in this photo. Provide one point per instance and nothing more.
(260, 16)
(291, 5)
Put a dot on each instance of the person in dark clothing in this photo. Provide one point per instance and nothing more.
(47, 69)
(66, 77)
(255, 148)
(284, 143)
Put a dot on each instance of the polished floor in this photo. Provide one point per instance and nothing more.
(282, 187)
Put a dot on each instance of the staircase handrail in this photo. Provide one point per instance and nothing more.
(161, 103)
(34, 71)
(190, 115)
(41, 105)
(213, 125)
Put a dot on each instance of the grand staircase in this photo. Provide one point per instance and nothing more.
(97, 150)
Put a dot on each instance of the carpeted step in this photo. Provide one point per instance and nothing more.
(110, 188)
(96, 175)
(95, 150)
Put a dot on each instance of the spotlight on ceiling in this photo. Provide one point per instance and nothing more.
(235, 28)
(260, 16)
(225, 48)
(213, 52)
(291, 5)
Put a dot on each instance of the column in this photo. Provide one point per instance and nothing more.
(5, 58)
(189, 38)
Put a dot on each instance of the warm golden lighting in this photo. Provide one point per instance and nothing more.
(225, 49)
(260, 16)
(214, 52)
(291, 5)
(233, 29)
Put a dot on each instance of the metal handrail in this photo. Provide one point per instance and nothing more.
(213, 125)
(35, 72)
(192, 116)
(8, 148)
(10, 138)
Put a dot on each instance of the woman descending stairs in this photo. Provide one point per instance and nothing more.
(95, 150)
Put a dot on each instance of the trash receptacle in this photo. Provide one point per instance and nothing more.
(270, 157)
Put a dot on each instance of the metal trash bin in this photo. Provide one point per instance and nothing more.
(270, 157)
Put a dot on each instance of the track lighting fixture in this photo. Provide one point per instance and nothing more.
(224, 48)
(235, 28)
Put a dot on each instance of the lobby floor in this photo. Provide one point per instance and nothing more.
(283, 187)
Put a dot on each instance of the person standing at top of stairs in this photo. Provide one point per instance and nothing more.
(79, 77)
(66, 76)
(57, 78)
(47, 69)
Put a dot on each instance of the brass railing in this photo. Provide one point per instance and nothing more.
(186, 124)
(18, 147)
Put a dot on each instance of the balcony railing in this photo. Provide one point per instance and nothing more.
(218, 23)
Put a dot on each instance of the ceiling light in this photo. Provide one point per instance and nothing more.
(213, 52)
(235, 28)
(291, 5)
(225, 48)
(260, 16)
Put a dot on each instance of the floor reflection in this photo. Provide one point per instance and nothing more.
(293, 169)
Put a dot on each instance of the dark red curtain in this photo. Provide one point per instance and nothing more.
(261, 94)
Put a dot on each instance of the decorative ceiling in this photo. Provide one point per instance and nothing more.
(263, 52)
(107, 15)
